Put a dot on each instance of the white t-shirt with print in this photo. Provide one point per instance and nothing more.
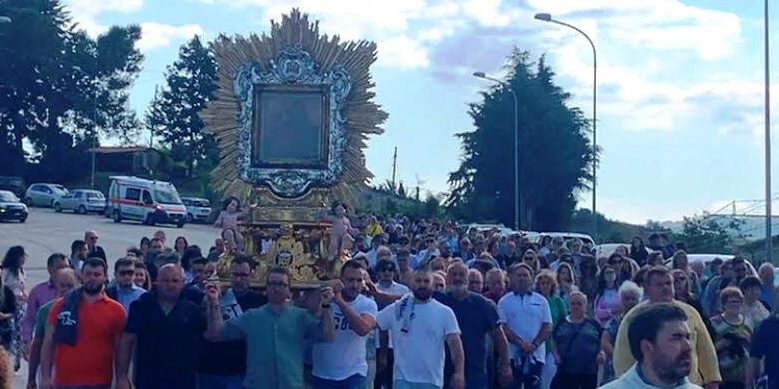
(345, 356)
(419, 352)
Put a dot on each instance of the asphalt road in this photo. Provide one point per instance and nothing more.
(46, 232)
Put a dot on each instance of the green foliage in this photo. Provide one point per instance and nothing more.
(705, 234)
(174, 112)
(554, 153)
(60, 89)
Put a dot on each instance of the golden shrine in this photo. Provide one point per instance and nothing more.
(292, 112)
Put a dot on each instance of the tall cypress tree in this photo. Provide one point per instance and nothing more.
(554, 152)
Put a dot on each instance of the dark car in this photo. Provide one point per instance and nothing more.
(13, 184)
(11, 207)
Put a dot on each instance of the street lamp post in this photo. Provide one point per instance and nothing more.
(482, 75)
(767, 108)
(545, 17)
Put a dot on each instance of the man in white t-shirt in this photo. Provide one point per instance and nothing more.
(527, 319)
(385, 271)
(419, 326)
(342, 363)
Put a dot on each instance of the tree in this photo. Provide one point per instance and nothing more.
(707, 234)
(58, 87)
(174, 111)
(555, 158)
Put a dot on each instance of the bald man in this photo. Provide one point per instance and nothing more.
(167, 330)
(64, 281)
(477, 317)
(766, 274)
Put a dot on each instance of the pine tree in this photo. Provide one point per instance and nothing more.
(173, 113)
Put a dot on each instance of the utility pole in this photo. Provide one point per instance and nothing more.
(767, 108)
(394, 167)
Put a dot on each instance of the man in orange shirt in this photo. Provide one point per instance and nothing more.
(82, 334)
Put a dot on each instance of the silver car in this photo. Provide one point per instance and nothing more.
(198, 209)
(81, 201)
(44, 195)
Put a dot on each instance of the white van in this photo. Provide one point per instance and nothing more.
(148, 201)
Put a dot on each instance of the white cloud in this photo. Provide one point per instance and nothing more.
(402, 51)
(154, 35)
(85, 12)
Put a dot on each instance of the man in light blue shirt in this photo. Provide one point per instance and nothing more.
(124, 290)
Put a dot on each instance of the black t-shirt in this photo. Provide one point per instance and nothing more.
(7, 305)
(167, 345)
(229, 358)
(476, 317)
(764, 343)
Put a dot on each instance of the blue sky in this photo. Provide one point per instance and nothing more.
(679, 93)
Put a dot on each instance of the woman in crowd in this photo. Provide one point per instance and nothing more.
(606, 303)
(13, 278)
(733, 332)
(655, 258)
(141, 276)
(546, 246)
(181, 245)
(546, 285)
(566, 282)
(623, 267)
(576, 345)
(638, 251)
(629, 296)
(145, 245)
(681, 262)
(754, 309)
(531, 259)
(7, 313)
(588, 281)
(682, 290)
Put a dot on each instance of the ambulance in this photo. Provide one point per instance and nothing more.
(148, 201)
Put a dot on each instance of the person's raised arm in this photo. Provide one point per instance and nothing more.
(360, 324)
(215, 323)
(327, 320)
(458, 360)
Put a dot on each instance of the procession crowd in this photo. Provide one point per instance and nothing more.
(418, 304)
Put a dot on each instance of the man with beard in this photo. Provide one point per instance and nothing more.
(78, 254)
(476, 317)
(420, 326)
(658, 288)
(527, 320)
(82, 334)
(659, 338)
(342, 363)
(167, 329)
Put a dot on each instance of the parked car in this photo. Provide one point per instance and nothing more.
(606, 249)
(13, 184)
(567, 236)
(44, 195)
(198, 209)
(81, 201)
(148, 201)
(706, 258)
(11, 207)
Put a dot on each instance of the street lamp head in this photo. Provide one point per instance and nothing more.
(479, 74)
(546, 17)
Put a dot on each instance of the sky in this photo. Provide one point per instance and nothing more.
(680, 83)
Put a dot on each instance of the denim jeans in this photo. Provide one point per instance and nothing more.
(354, 382)
(212, 381)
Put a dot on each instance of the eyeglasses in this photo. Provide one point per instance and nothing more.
(278, 284)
